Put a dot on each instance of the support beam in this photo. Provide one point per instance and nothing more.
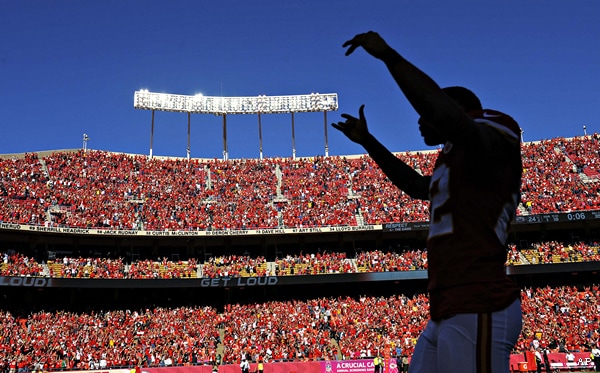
(152, 134)
(326, 139)
(225, 153)
(293, 138)
(260, 142)
(188, 151)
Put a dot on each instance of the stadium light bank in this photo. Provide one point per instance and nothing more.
(223, 106)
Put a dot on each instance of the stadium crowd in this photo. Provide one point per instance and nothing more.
(235, 266)
(558, 318)
(104, 190)
(553, 178)
(17, 264)
(62, 340)
(314, 264)
(97, 189)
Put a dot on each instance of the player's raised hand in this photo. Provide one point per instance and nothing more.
(370, 41)
(354, 128)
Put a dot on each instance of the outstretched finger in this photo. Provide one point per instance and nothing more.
(338, 126)
(348, 117)
(353, 44)
(361, 112)
(351, 49)
(348, 42)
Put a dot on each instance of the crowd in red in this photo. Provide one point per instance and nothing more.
(553, 177)
(562, 318)
(554, 252)
(97, 189)
(277, 331)
(87, 268)
(235, 266)
(97, 340)
(380, 200)
(16, 264)
(379, 261)
(314, 264)
(584, 155)
(316, 192)
(24, 193)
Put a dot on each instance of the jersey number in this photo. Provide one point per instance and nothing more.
(441, 218)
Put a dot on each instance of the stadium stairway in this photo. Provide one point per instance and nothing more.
(279, 176)
(47, 174)
(279, 197)
(220, 346)
(358, 216)
(44, 166)
(208, 179)
(271, 268)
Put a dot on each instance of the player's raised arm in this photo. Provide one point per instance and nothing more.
(423, 93)
(402, 175)
(446, 114)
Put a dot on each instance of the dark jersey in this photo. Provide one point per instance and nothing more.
(474, 193)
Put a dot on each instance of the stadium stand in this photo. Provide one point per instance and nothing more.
(110, 190)
(322, 328)
(70, 326)
(17, 264)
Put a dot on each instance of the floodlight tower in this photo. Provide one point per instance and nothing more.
(222, 106)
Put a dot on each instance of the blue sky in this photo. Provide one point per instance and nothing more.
(71, 67)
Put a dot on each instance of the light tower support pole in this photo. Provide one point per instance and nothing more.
(260, 143)
(188, 138)
(152, 134)
(325, 128)
(293, 138)
(225, 154)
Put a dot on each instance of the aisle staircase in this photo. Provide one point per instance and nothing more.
(47, 174)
